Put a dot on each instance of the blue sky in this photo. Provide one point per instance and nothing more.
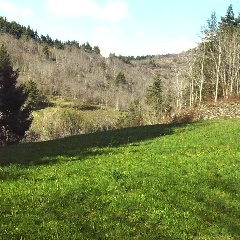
(127, 27)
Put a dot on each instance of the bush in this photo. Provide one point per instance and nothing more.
(184, 116)
(133, 117)
(53, 124)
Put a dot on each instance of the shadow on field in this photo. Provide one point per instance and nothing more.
(34, 153)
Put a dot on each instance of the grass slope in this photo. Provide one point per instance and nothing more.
(153, 182)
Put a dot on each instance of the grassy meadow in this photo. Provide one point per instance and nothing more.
(151, 182)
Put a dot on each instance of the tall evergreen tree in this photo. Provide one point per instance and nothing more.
(229, 19)
(15, 117)
(154, 95)
(121, 79)
(32, 92)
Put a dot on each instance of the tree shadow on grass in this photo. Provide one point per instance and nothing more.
(35, 153)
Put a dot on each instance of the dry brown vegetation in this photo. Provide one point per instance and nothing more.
(83, 77)
(77, 75)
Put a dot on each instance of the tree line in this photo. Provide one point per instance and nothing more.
(19, 31)
(215, 71)
(128, 59)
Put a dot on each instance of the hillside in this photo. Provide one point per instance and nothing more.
(152, 182)
(79, 73)
(83, 92)
(75, 74)
(97, 92)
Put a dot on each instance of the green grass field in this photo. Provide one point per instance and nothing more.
(152, 182)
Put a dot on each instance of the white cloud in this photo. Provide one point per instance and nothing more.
(13, 12)
(112, 11)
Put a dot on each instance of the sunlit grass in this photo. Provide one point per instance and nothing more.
(154, 182)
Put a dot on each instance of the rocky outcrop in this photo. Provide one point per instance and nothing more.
(216, 111)
(208, 111)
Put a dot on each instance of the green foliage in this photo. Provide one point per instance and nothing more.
(46, 40)
(154, 94)
(15, 117)
(121, 79)
(58, 44)
(86, 47)
(55, 123)
(33, 94)
(133, 116)
(125, 59)
(128, 59)
(96, 50)
(18, 31)
(229, 19)
(165, 182)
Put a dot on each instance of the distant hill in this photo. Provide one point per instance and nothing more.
(72, 71)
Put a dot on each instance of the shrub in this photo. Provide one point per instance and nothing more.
(133, 117)
(57, 123)
(184, 116)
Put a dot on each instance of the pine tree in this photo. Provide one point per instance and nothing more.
(32, 92)
(229, 19)
(121, 79)
(87, 47)
(154, 94)
(15, 117)
(96, 49)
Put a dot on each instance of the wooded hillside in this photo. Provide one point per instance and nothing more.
(147, 89)
(78, 72)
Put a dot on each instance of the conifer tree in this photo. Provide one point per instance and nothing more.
(154, 95)
(96, 49)
(121, 79)
(32, 92)
(15, 117)
(229, 19)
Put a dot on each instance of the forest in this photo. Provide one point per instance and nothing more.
(86, 92)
